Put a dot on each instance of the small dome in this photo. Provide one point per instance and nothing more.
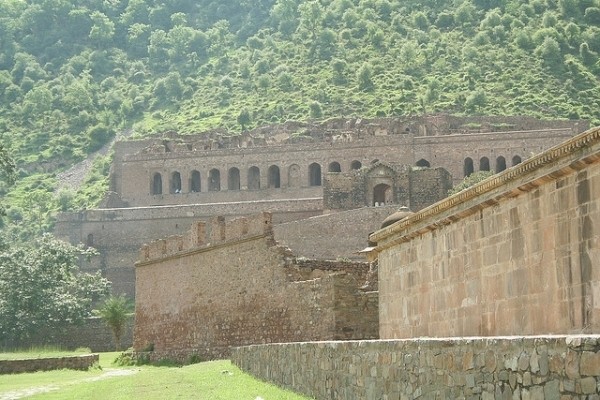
(402, 213)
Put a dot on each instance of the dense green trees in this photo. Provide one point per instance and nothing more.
(73, 73)
(41, 288)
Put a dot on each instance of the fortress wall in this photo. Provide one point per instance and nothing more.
(225, 196)
(450, 151)
(133, 177)
(118, 234)
(339, 235)
(538, 367)
(238, 291)
(513, 255)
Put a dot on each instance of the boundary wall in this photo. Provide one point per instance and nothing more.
(227, 283)
(48, 364)
(542, 367)
(516, 254)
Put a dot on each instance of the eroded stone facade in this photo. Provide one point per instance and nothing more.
(228, 284)
(160, 186)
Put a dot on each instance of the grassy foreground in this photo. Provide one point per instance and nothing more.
(214, 380)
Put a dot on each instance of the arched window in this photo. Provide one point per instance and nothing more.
(382, 194)
(423, 163)
(356, 164)
(468, 166)
(500, 164)
(175, 182)
(214, 180)
(335, 167)
(253, 178)
(314, 174)
(233, 179)
(90, 240)
(274, 177)
(294, 176)
(157, 183)
(195, 183)
(484, 164)
(516, 160)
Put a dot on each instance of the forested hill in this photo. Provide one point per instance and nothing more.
(75, 72)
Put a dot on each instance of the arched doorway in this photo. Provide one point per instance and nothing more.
(468, 168)
(233, 179)
(214, 180)
(500, 164)
(484, 164)
(356, 164)
(516, 160)
(274, 177)
(382, 194)
(335, 167)
(314, 174)
(195, 185)
(253, 178)
(176, 182)
(157, 183)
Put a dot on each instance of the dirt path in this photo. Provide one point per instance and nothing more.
(23, 393)
(74, 176)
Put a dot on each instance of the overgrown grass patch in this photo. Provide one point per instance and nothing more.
(214, 380)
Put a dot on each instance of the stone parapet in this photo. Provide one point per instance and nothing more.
(536, 367)
(203, 236)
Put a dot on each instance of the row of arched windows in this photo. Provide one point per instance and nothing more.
(213, 180)
(484, 164)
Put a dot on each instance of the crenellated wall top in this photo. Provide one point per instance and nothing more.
(563, 159)
(206, 235)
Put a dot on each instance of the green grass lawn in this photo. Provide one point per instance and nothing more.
(41, 352)
(214, 380)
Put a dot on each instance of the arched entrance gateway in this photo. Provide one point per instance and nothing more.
(382, 194)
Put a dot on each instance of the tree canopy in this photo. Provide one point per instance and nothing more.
(73, 74)
(41, 287)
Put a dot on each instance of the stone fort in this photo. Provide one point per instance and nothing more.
(314, 179)
(491, 293)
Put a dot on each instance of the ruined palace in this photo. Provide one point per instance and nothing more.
(228, 284)
(492, 293)
(160, 186)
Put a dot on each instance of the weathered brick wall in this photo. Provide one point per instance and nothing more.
(565, 368)
(228, 284)
(48, 364)
(118, 234)
(514, 255)
(415, 188)
(335, 236)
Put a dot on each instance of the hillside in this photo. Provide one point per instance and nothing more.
(74, 73)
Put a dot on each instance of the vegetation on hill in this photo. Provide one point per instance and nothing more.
(73, 73)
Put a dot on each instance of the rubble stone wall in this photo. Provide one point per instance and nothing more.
(227, 284)
(559, 367)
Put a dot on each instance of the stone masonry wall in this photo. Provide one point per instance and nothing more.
(513, 255)
(118, 234)
(562, 368)
(48, 364)
(345, 233)
(441, 141)
(227, 284)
